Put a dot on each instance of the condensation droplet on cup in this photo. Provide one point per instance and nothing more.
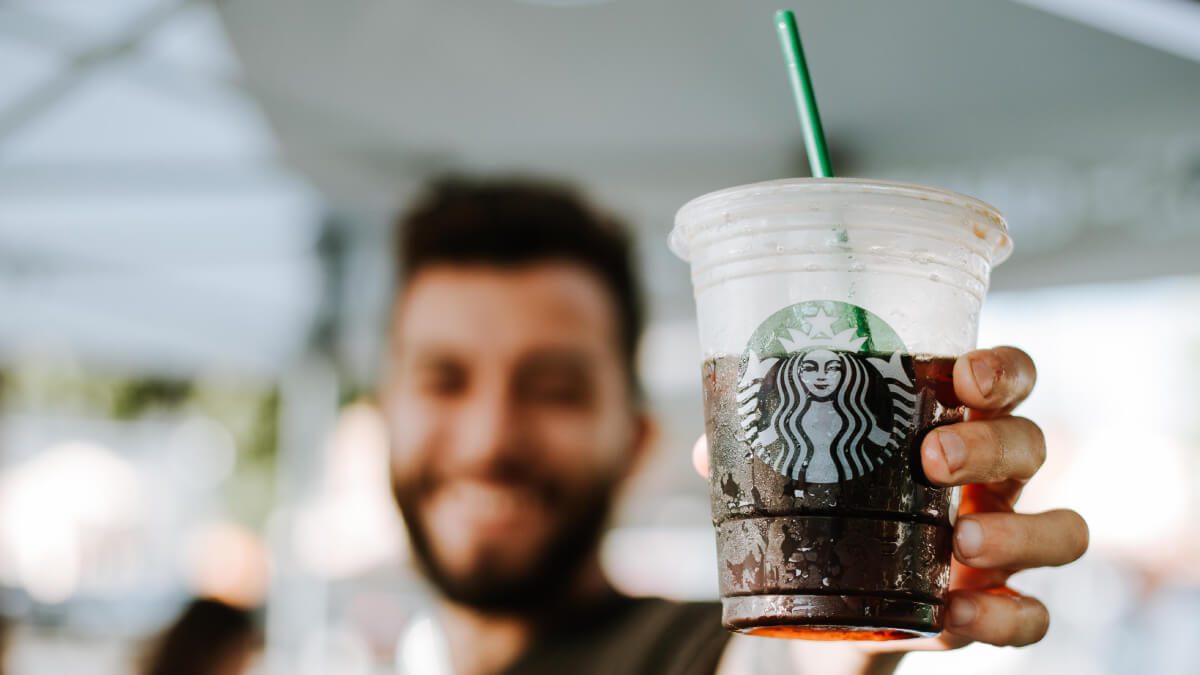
(935, 277)
(857, 267)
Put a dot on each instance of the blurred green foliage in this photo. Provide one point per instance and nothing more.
(247, 409)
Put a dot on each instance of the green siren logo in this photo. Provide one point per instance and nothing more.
(820, 402)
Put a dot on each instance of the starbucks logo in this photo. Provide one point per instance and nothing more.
(825, 392)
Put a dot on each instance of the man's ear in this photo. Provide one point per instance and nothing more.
(645, 435)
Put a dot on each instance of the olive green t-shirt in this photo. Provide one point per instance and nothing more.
(631, 636)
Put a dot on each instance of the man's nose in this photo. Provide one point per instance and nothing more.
(487, 430)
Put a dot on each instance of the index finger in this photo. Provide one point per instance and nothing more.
(993, 381)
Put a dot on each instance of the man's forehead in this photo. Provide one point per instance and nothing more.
(504, 307)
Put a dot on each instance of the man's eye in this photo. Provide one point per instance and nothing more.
(557, 391)
(442, 381)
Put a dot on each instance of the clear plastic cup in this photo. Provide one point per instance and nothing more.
(830, 315)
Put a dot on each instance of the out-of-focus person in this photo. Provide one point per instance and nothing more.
(210, 637)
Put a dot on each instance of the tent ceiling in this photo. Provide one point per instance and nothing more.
(1033, 105)
(144, 225)
(146, 215)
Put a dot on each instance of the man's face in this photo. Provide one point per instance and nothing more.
(511, 422)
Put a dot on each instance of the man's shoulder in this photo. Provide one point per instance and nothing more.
(661, 614)
(668, 637)
(655, 636)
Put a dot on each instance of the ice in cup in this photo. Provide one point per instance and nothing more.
(831, 312)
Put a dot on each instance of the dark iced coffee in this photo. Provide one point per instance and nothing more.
(826, 527)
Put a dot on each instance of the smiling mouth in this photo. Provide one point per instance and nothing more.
(487, 506)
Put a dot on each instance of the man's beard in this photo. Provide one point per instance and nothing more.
(549, 572)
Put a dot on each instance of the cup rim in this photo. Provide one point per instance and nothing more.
(689, 219)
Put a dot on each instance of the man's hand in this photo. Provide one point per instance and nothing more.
(992, 454)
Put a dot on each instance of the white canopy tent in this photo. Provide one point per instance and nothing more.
(152, 214)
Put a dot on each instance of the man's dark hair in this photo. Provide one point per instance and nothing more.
(512, 222)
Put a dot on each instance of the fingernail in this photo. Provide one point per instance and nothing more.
(969, 537)
(962, 611)
(954, 451)
(985, 375)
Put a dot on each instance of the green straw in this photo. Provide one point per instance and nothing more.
(802, 90)
(810, 123)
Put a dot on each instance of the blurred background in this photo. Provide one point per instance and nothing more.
(195, 200)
